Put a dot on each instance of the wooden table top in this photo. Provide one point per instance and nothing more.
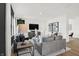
(26, 45)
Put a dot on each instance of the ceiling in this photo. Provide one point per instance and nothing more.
(46, 9)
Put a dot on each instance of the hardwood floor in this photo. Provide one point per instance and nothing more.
(74, 45)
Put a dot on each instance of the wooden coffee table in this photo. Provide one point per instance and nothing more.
(26, 45)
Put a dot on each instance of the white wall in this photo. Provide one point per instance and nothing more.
(41, 21)
(44, 22)
(63, 25)
(75, 26)
(8, 30)
(41, 14)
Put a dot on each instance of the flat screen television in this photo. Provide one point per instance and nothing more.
(33, 26)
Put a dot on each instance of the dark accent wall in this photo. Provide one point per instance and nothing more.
(2, 28)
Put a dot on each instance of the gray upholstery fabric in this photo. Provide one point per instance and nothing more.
(49, 45)
(48, 39)
(58, 37)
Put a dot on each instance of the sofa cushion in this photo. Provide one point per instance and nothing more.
(58, 37)
(47, 39)
(50, 39)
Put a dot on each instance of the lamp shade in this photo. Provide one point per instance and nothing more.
(23, 28)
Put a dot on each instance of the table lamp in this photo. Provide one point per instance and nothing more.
(23, 28)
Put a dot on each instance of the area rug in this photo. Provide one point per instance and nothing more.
(51, 54)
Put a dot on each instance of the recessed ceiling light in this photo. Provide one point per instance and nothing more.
(40, 13)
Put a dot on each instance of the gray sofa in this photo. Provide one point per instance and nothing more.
(50, 45)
